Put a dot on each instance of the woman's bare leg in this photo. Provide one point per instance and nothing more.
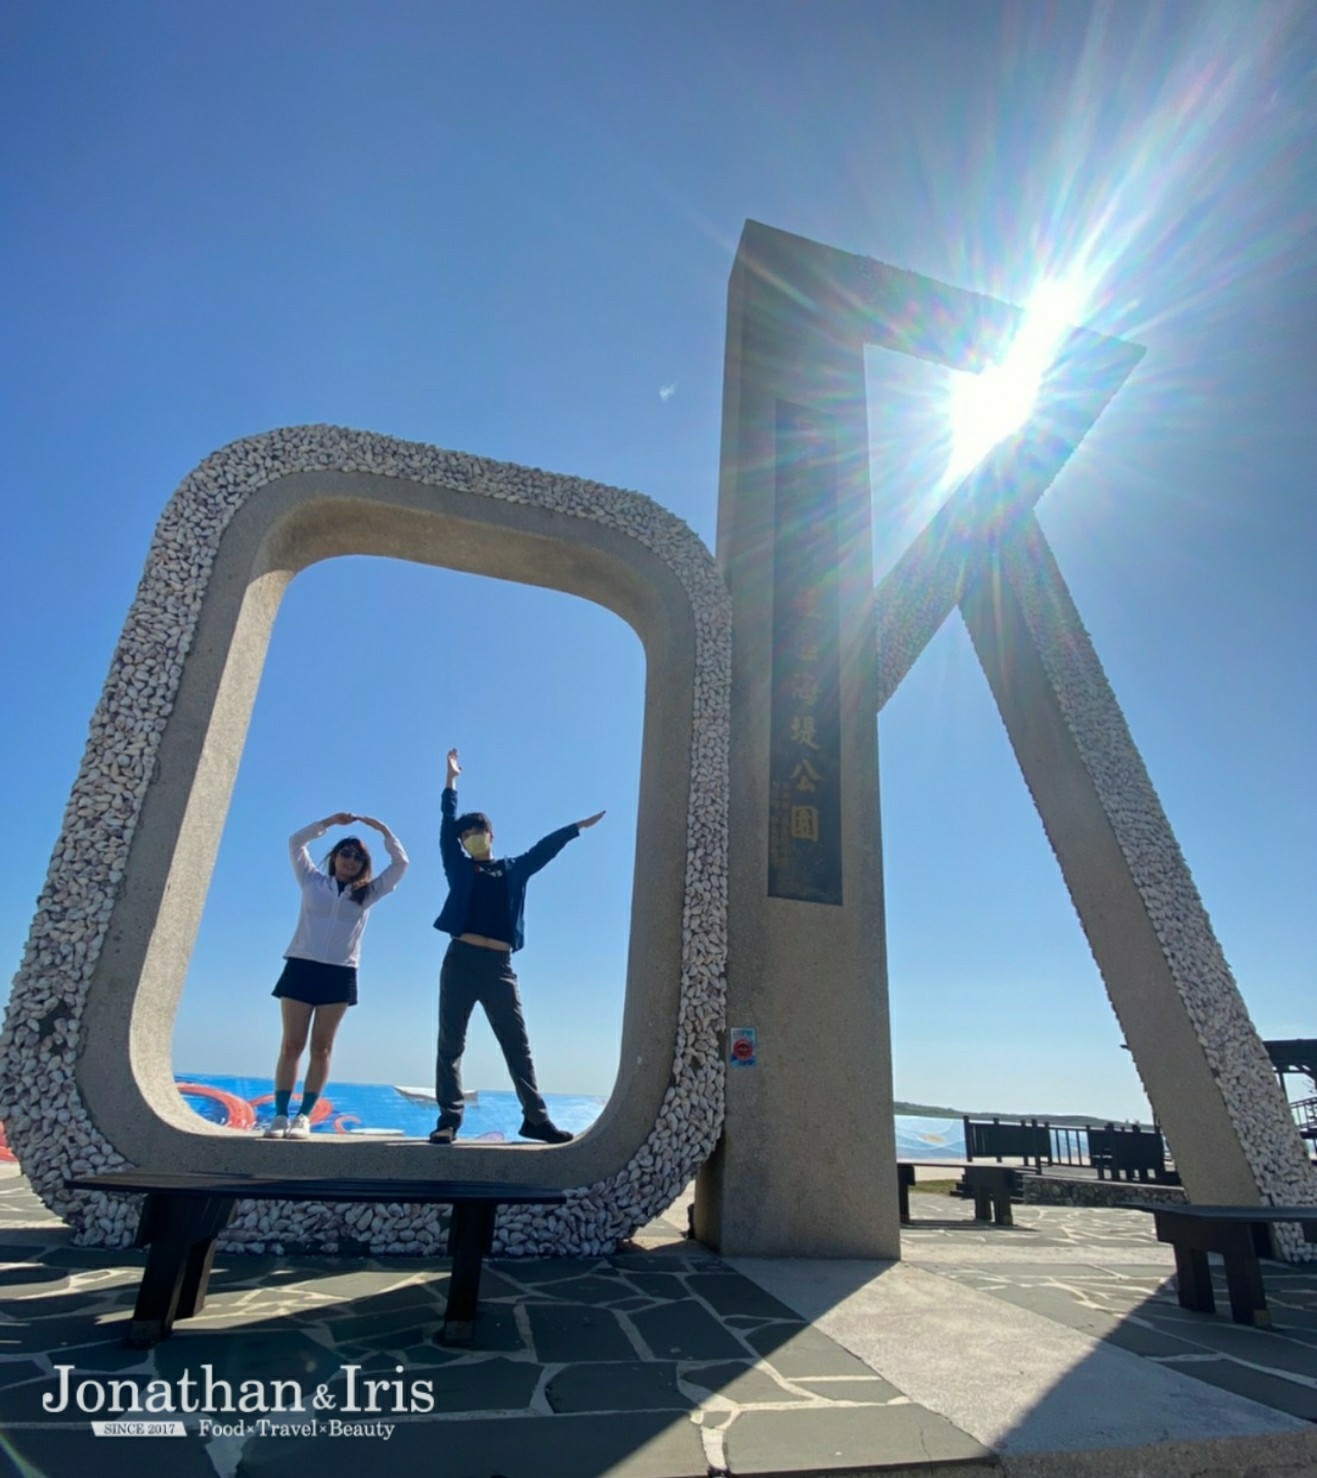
(296, 1020)
(323, 1029)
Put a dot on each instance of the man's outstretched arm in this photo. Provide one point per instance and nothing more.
(547, 848)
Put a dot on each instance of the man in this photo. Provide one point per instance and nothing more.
(484, 913)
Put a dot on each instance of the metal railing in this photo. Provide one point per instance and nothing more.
(1305, 1117)
(1126, 1151)
(1011, 1139)
(1069, 1144)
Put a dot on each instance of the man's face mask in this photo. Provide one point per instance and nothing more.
(477, 844)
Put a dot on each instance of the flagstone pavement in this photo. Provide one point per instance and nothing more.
(1052, 1347)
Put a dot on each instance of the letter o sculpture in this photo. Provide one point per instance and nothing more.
(85, 1077)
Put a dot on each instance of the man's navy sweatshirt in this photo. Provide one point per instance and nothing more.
(460, 870)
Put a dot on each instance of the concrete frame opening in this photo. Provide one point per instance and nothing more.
(371, 664)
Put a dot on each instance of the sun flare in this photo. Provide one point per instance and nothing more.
(987, 407)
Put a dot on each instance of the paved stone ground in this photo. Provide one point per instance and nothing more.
(662, 1361)
(1103, 1273)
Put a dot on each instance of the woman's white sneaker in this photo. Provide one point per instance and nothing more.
(300, 1128)
(278, 1128)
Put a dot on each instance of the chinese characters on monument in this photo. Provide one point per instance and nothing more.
(804, 825)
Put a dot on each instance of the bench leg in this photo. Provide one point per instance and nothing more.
(905, 1178)
(973, 1184)
(1248, 1301)
(180, 1233)
(1193, 1280)
(992, 1195)
(196, 1278)
(1001, 1206)
(469, 1236)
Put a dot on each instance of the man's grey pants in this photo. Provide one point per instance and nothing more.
(472, 974)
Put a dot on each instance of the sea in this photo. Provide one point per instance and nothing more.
(390, 1110)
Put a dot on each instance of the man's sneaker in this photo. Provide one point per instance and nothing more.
(278, 1127)
(300, 1128)
(444, 1134)
(546, 1132)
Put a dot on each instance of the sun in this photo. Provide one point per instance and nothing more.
(987, 407)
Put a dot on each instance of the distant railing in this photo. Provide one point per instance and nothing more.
(1305, 1117)
(1069, 1144)
(1119, 1150)
(1130, 1153)
(998, 1139)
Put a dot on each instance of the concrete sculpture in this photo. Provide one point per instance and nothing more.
(758, 900)
(86, 1081)
(806, 969)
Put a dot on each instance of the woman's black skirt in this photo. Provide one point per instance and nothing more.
(317, 985)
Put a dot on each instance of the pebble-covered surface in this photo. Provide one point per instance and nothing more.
(45, 1118)
(1047, 1190)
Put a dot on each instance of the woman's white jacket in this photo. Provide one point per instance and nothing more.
(330, 924)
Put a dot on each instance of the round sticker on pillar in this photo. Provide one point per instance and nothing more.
(741, 1046)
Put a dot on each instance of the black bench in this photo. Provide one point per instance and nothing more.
(184, 1214)
(990, 1185)
(1240, 1234)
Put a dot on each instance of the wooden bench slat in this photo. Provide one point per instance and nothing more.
(1231, 1213)
(315, 1188)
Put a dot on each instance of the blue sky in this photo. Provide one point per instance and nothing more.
(507, 229)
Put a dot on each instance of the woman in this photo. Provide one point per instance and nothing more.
(319, 981)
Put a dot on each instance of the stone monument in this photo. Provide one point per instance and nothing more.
(805, 1163)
